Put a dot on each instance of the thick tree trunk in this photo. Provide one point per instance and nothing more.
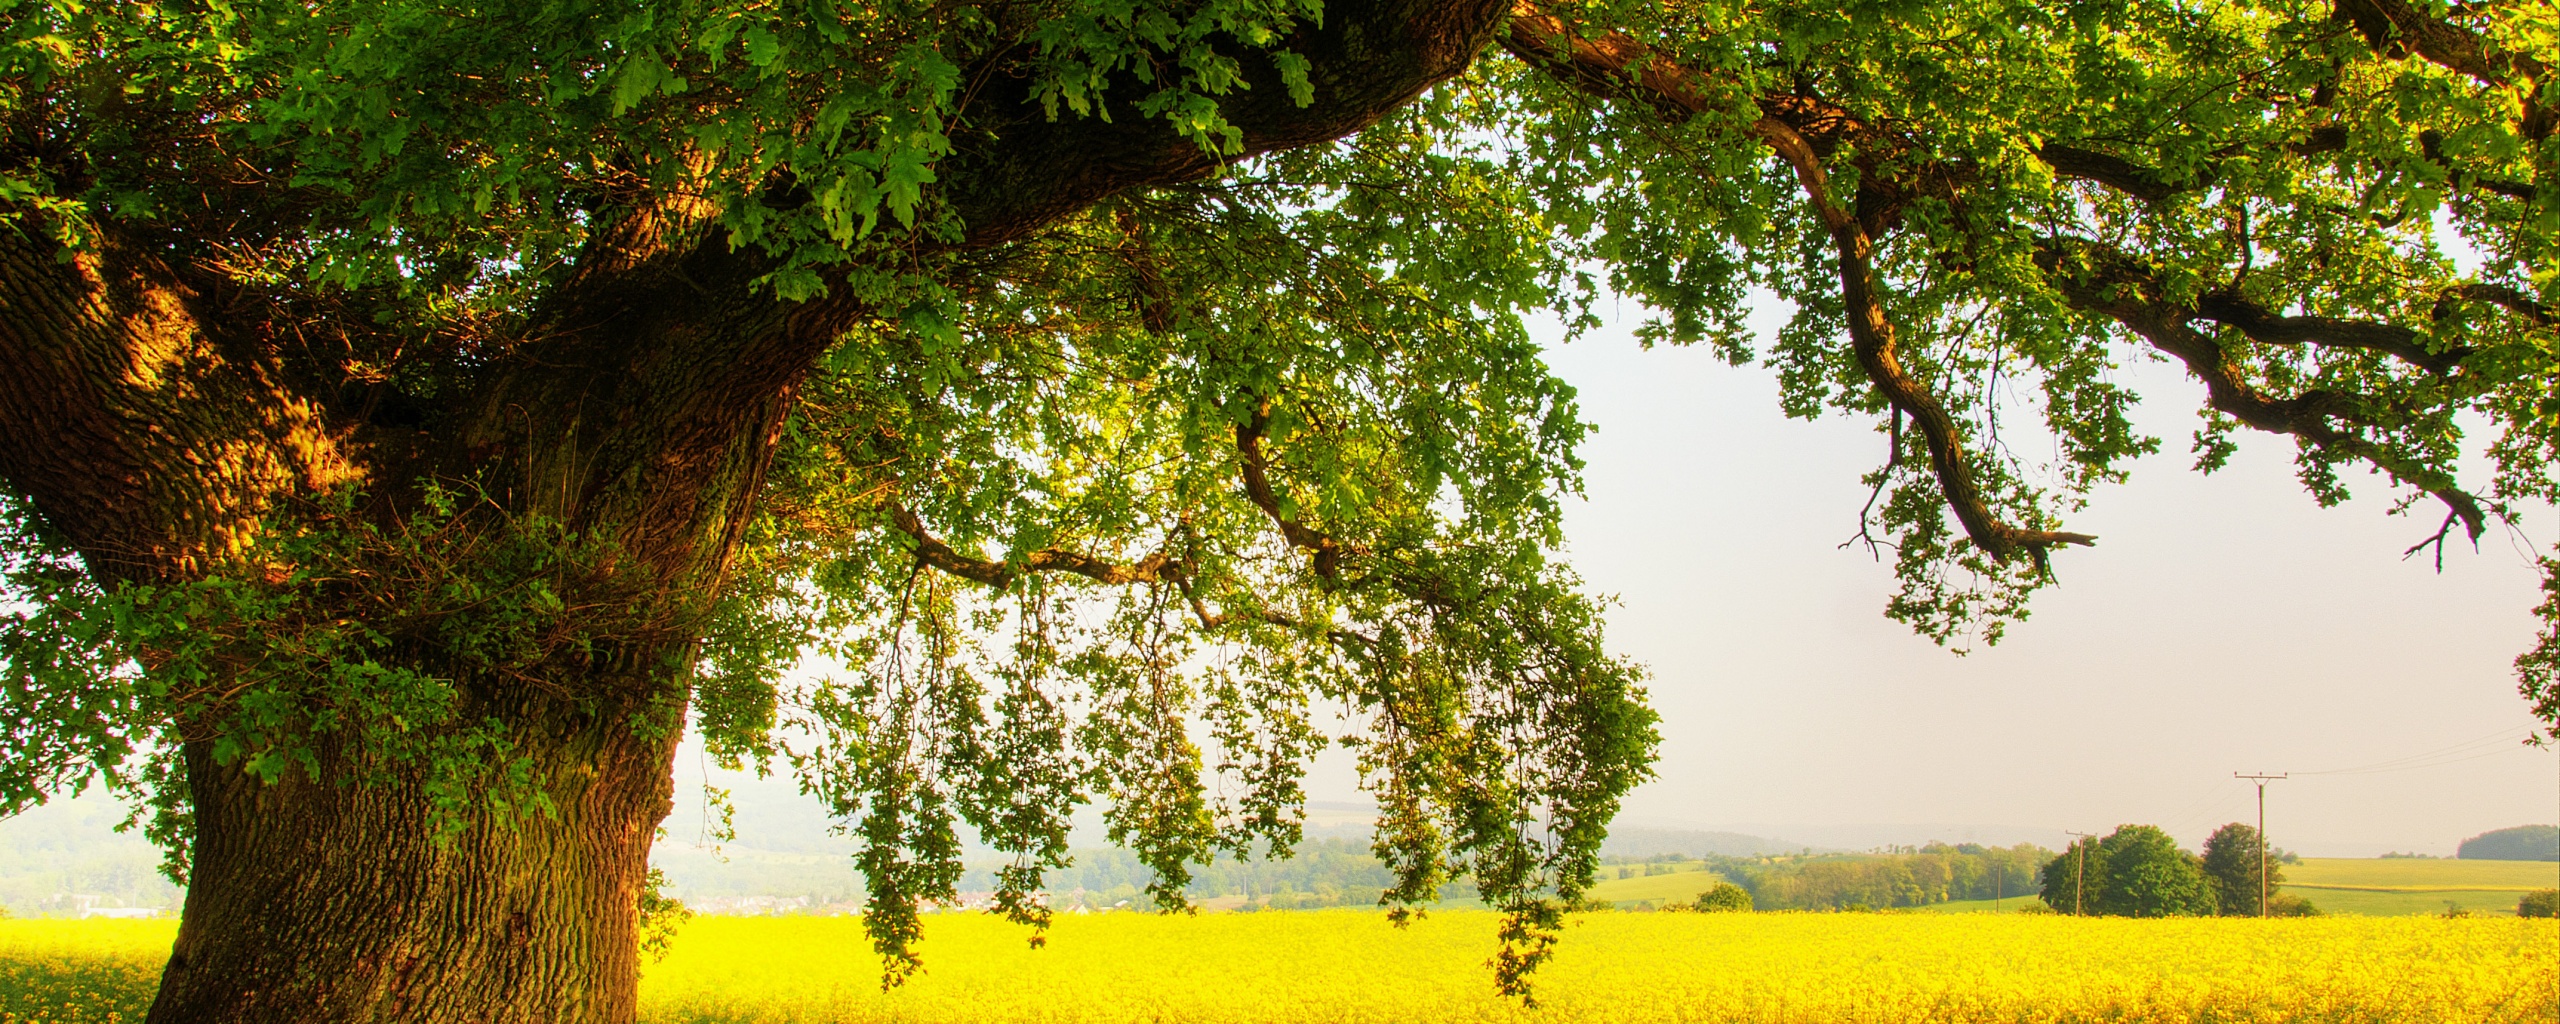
(154, 409)
(334, 901)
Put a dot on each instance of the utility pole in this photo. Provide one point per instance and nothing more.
(2080, 878)
(2262, 779)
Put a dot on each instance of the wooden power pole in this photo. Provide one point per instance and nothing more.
(2080, 876)
(2262, 779)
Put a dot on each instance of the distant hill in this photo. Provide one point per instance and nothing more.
(1648, 843)
(2523, 842)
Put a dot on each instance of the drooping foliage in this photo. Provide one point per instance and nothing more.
(1154, 399)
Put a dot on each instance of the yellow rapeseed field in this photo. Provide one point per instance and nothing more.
(80, 972)
(1344, 967)
(1305, 968)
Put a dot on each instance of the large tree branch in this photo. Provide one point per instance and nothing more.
(2513, 300)
(2230, 308)
(1615, 66)
(1872, 339)
(2101, 280)
(152, 444)
(2395, 27)
(1023, 169)
(932, 551)
(1257, 488)
(663, 360)
(2115, 172)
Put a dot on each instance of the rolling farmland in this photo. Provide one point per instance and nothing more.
(2389, 887)
(1684, 882)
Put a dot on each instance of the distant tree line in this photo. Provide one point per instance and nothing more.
(1911, 876)
(2139, 871)
(2523, 842)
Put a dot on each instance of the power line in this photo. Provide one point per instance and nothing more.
(2477, 747)
(2412, 767)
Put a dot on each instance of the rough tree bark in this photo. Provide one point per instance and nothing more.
(153, 412)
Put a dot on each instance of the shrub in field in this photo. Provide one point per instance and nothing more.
(2281, 905)
(2543, 903)
(1724, 897)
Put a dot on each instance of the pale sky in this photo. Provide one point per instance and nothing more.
(2222, 624)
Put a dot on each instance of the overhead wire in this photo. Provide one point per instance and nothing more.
(2471, 749)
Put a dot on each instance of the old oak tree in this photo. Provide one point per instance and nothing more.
(415, 417)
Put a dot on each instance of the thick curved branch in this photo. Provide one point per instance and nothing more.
(2431, 146)
(2231, 309)
(2115, 172)
(1019, 168)
(1614, 65)
(1257, 488)
(932, 551)
(1872, 338)
(2110, 283)
(2395, 28)
(1620, 68)
(2515, 301)
(113, 371)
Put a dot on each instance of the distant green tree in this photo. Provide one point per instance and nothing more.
(2147, 875)
(2231, 864)
(2523, 842)
(2065, 890)
(2539, 903)
(1726, 896)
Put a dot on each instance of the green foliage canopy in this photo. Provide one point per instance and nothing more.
(2147, 875)
(1162, 382)
(2134, 871)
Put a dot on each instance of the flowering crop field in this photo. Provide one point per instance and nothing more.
(1341, 966)
(80, 972)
